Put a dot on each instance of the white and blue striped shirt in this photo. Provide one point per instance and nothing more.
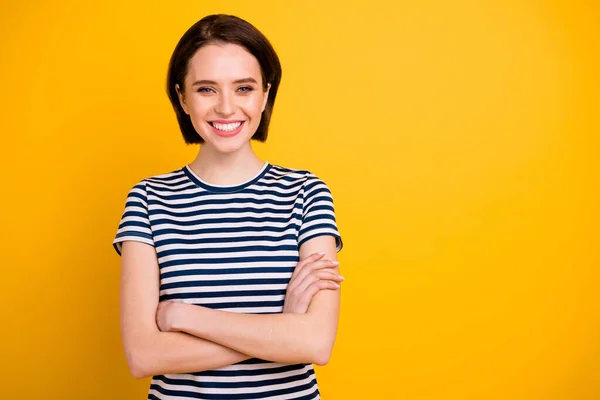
(231, 248)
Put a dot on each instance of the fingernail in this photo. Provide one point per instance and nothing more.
(321, 253)
(341, 277)
(335, 262)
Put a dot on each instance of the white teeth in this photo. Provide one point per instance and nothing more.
(226, 127)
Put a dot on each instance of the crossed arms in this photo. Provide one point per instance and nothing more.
(172, 337)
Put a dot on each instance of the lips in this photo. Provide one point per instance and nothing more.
(227, 129)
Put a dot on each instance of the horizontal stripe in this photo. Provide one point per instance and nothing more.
(220, 294)
(225, 229)
(207, 239)
(253, 382)
(211, 210)
(257, 281)
(242, 219)
(254, 201)
(228, 260)
(220, 271)
(246, 395)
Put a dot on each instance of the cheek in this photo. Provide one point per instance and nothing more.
(253, 105)
(199, 107)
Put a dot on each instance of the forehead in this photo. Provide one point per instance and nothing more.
(223, 63)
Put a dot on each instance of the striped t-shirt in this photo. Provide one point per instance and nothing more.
(231, 248)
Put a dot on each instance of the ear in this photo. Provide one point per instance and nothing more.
(266, 97)
(181, 99)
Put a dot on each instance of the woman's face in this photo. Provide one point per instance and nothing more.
(223, 96)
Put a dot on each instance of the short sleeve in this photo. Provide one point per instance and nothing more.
(318, 213)
(135, 224)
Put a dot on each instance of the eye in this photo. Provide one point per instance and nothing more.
(246, 89)
(204, 89)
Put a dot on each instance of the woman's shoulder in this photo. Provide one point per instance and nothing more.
(302, 179)
(167, 179)
(286, 173)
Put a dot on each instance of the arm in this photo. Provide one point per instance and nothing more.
(287, 337)
(148, 350)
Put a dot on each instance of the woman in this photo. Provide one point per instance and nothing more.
(229, 283)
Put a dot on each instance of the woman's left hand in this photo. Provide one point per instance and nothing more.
(167, 314)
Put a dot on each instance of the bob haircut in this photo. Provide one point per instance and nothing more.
(222, 29)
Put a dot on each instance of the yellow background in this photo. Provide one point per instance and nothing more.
(459, 138)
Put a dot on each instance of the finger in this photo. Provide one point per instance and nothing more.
(316, 287)
(313, 257)
(306, 297)
(317, 276)
(309, 269)
(316, 265)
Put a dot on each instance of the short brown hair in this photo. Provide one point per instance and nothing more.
(222, 29)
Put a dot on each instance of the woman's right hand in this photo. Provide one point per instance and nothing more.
(310, 276)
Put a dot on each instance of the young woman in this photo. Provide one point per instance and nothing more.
(229, 283)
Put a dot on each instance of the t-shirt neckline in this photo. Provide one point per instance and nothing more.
(225, 188)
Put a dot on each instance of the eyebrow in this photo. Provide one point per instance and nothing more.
(209, 82)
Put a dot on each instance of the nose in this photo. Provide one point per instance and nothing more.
(225, 104)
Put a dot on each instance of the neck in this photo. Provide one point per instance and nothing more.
(226, 168)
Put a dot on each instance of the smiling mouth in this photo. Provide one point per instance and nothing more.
(226, 127)
(227, 130)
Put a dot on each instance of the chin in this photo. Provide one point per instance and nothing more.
(228, 146)
(227, 149)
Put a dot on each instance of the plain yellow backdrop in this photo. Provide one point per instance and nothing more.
(459, 138)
